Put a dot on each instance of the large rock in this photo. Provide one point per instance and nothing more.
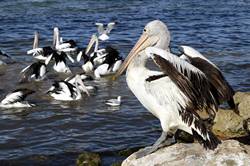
(228, 124)
(243, 101)
(229, 153)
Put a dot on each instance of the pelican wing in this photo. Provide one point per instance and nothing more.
(100, 28)
(221, 89)
(110, 26)
(191, 83)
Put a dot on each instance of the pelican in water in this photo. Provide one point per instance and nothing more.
(16, 99)
(60, 45)
(60, 64)
(103, 33)
(65, 91)
(179, 95)
(36, 71)
(40, 53)
(220, 87)
(103, 61)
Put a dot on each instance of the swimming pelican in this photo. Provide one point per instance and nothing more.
(111, 63)
(65, 91)
(16, 99)
(35, 71)
(103, 33)
(83, 77)
(40, 53)
(65, 46)
(103, 61)
(221, 88)
(60, 64)
(179, 95)
(114, 102)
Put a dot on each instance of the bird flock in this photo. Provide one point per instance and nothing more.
(95, 62)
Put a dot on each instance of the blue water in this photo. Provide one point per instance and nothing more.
(220, 30)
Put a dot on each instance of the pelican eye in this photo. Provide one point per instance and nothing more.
(144, 30)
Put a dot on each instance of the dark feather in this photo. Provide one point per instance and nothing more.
(221, 89)
(196, 88)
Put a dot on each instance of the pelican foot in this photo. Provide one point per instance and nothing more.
(151, 149)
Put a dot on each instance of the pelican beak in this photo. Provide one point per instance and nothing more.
(55, 37)
(144, 42)
(36, 40)
(90, 45)
(82, 87)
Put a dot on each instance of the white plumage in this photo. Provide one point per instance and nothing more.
(176, 94)
(103, 33)
(16, 99)
(65, 91)
(114, 102)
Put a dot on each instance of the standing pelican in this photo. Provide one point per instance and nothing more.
(179, 95)
(220, 87)
(103, 33)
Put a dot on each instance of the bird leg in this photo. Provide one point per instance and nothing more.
(164, 140)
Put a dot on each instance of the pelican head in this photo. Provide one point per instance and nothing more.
(155, 34)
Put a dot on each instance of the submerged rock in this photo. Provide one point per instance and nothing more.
(230, 152)
(88, 159)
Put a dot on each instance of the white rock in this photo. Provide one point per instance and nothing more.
(230, 152)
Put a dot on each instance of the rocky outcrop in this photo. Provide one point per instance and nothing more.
(228, 124)
(230, 153)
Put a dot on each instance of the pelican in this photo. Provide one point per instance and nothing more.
(35, 71)
(40, 53)
(65, 91)
(221, 88)
(179, 95)
(111, 63)
(103, 33)
(97, 56)
(60, 45)
(60, 64)
(16, 99)
(83, 77)
(103, 61)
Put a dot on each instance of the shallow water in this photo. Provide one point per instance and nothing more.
(220, 30)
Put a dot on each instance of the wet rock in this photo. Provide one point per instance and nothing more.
(88, 159)
(230, 152)
(128, 152)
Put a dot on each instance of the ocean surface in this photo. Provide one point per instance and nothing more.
(218, 29)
